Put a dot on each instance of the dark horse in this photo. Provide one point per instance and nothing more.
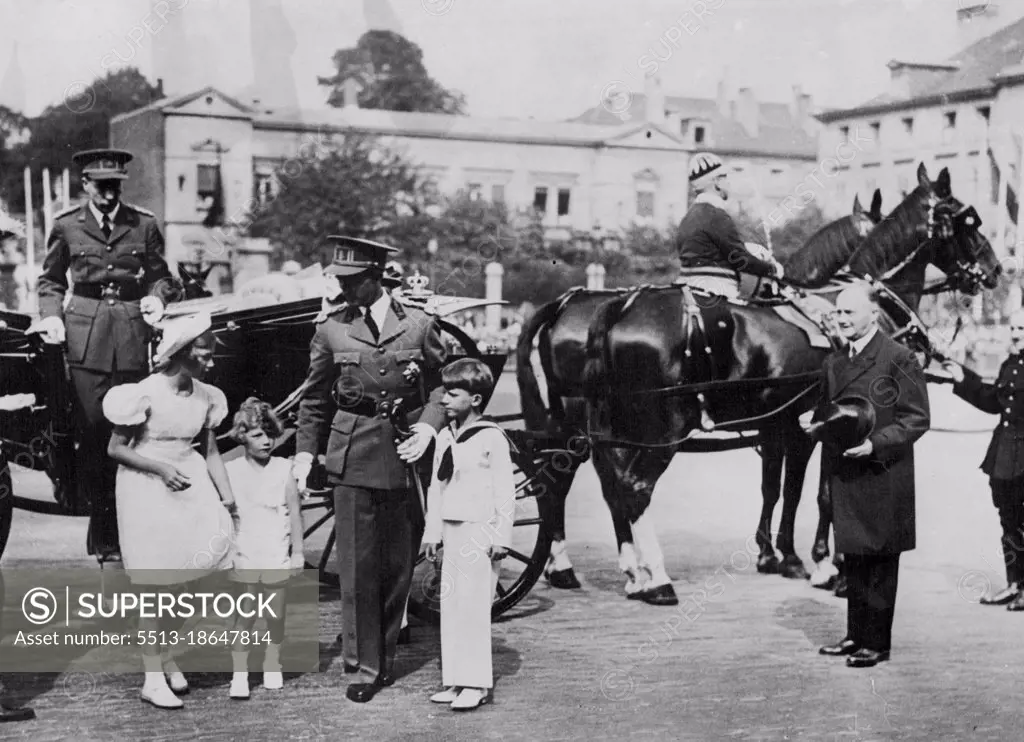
(648, 354)
(560, 328)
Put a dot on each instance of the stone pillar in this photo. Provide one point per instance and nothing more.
(595, 277)
(494, 272)
(251, 260)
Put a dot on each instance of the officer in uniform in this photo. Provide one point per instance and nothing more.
(115, 254)
(1004, 460)
(711, 252)
(366, 353)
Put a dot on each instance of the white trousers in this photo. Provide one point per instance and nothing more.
(728, 287)
(468, 581)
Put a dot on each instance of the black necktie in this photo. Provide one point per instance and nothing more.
(106, 226)
(371, 325)
(447, 466)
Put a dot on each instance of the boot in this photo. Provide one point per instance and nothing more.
(272, 677)
(155, 690)
(240, 677)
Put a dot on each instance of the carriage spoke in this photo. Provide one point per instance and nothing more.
(317, 525)
(502, 592)
(518, 556)
(528, 522)
(326, 556)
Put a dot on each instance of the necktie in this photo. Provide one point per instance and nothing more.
(371, 325)
(106, 226)
(446, 468)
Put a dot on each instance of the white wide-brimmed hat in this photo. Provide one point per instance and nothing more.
(178, 332)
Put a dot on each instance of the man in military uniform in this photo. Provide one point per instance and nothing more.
(1004, 460)
(711, 252)
(115, 254)
(365, 354)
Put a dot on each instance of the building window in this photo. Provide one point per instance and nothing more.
(844, 132)
(563, 201)
(498, 193)
(777, 172)
(207, 186)
(985, 112)
(475, 191)
(263, 188)
(540, 199)
(876, 132)
(645, 204)
(698, 135)
(948, 126)
(908, 126)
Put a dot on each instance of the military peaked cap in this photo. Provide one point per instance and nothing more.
(353, 255)
(103, 164)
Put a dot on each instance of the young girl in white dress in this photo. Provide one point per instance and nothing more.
(173, 503)
(269, 538)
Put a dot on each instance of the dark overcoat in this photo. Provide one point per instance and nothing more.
(873, 498)
(350, 373)
(1005, 456)
(103, 334)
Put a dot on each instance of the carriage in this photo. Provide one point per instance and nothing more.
(261, 351)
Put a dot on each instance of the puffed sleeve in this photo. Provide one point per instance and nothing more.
(126, 404)
(218, 409)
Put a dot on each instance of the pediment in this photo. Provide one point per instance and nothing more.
(210, 102)
(645, 136)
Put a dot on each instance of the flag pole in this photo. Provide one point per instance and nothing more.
(30, 243)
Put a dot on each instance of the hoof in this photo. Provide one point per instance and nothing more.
(824, 575)
(841, 587)
(793, 568)
(563, 579)
(768, 564)
(660, 595)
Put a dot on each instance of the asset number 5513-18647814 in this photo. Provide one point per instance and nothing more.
(202, 638)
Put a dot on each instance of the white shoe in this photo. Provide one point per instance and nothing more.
(161, 696)
(446, 696)
(273, 680)
(239, 686)
(176, 679)
(470, 698)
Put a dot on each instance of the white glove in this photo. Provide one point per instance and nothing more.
(152, 309)
(302, 464)
(51, 328)
(779, 270)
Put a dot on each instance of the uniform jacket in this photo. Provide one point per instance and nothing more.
(708, 238)
(1005, 456)
(873, 497)
(482, 486)
(347, 364)
(102, 334)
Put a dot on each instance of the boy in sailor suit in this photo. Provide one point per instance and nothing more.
(471, 510)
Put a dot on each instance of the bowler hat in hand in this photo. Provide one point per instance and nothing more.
(846, 422)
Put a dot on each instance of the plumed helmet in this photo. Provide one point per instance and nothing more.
(846, 423)
(704, 163)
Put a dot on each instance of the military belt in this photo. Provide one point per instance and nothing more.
(373, 407)
(123, 291)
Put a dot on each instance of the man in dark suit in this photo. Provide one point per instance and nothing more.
(365, 354)
(114, 253)
(1004, 460)
(873, 483)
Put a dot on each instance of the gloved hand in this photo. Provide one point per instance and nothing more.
(779, 270)
(302, 464)
(51, 328)
(152, 309)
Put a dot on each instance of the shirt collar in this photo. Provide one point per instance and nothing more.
(710, 198)
(99, 214)
(859, 345)
(382, 304)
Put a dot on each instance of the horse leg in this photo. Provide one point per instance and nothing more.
(558, 570)
(772, 457)
(798, 454)
(657, 589)
(825, 575)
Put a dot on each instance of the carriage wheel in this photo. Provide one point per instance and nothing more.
(6, 503)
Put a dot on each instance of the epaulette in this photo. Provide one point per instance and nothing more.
(328, 310)
(68, 210)
(141, 210)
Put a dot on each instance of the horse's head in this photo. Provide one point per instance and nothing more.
(193, 285)
(961, 251)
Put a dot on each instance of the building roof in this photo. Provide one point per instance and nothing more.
(778, 134)
(974, 72)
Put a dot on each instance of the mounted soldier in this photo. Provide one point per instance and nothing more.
(711, 253)
(114, 253)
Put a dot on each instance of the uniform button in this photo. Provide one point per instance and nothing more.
(383, 392)
(1007, 409)
(1006, 424)
(383, 372)
(109, 248)
(110, 267)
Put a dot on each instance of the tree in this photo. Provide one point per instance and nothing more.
(351, 186)
(390, 70)
(79, 122)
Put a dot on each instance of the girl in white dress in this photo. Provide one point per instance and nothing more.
(173, 503)
(269, 538)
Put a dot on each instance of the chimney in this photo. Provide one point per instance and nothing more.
(159, 88)
(800, 109)
(724, 95)
(350, 90)
(748, 112)
(654, 100)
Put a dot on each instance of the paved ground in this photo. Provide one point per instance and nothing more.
(589, 664)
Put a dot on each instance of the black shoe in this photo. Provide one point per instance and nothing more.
(349, 669)
(363, 692)
(16, 714)
(839, 649)
(1004, 596)
(866, 658)
(1016, 604)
